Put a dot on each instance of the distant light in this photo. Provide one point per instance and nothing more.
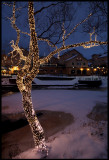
(4, 70)
(81, 69)
(88, 69)
(95, 69)
(15, 68)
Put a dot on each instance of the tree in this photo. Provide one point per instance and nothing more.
(99, 20)
(30, 69)
(49, 17)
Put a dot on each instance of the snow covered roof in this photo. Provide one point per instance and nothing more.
(71, 57)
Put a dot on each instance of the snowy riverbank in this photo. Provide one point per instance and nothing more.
(83, 139)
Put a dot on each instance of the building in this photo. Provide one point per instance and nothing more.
(98, 60)
(70, 63)
(99, 63)
(75, 63)
(50, 67)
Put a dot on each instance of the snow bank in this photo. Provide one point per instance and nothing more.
(76, 145)
(71, 144)
(55, 82)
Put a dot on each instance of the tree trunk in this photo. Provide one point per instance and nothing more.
(37, 130)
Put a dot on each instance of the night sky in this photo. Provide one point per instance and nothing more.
(8, 33)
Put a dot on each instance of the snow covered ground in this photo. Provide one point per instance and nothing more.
(80, 140)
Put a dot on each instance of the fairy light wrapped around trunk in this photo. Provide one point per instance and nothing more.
(37, 130)
(25, 75)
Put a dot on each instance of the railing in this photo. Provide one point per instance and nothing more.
(90, 78)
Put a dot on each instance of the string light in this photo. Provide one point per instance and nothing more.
(24, 84)
(77, 26)
(63, 37)
(25, 76)
(7, 4)
(58, 55)
(92, 44)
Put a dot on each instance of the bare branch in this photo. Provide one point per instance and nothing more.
(25, 33)
(45, 8)
(48, 41)
(42, 39)
(78, 25)
(70, 46)
(63, 37)
(100, 17)
(8, 4)
(48, 28)
(56, 16)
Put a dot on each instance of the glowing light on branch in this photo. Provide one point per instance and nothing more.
(92, 44)
(45, 59)
(77, 26)
(7, 4)
(63, 37)
(92, 34)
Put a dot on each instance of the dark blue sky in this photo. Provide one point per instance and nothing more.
(8, 33)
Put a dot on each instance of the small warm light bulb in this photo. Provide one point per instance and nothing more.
(88, 69)
(81, 69)
(95, 69)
